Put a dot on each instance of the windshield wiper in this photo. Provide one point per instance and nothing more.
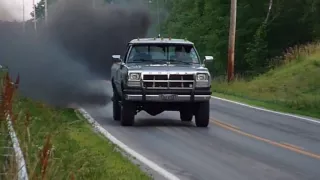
(151, 61)
(180, 61)
(142, 60)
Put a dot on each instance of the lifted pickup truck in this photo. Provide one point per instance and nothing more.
(161, 74)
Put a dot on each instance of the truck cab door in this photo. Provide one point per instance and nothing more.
(121, 70)
(114, 70)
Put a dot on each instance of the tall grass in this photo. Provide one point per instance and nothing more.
(6, 110)
(9, 162)
(292, 82)
(57, 144)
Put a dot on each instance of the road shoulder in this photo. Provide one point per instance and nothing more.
(264, 106)
(127, 150)
(73, 148)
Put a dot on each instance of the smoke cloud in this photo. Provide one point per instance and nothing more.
(68, 61)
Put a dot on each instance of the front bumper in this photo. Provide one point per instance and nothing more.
(167, 95)
(167, 98)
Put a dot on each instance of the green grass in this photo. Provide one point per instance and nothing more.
(76, 148)
(292, 87)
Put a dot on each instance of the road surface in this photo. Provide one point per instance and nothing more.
(240, 143)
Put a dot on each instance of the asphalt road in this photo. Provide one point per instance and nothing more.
(240, 143)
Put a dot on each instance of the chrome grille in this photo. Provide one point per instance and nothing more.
(155, 77)
(171, 81)
(181, 77)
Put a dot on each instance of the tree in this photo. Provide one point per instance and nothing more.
(262, 33)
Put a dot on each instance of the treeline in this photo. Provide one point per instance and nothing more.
(260, 36)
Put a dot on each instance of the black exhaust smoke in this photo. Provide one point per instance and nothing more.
(68, 61)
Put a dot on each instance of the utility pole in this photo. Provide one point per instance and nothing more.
(158, 12)
(232, 36)
(46, 11)
(23, 18)
(34, 16)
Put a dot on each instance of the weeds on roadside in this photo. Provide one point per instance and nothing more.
(6, 114)
(292, 82)
(292, 54)
(8, 162)
(57, 144)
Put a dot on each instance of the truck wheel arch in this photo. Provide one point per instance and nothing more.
(112, 83)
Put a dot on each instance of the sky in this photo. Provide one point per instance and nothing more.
(14, 8)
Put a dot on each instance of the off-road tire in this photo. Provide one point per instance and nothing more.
(202, 114)
(186, 115)
(128, 110)
(116, 107)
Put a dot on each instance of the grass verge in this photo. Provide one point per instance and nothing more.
(61, 144)
(74, 149)
(293, 87)
(266, 105)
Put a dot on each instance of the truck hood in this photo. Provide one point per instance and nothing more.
(166, 67)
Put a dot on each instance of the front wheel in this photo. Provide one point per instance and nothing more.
(128, 110)
(116, 107)
(202, 114)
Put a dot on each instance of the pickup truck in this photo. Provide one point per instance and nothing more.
(161, 74)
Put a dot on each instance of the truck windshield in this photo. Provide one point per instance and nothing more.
(163, 53)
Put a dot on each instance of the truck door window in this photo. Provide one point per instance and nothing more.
(192, 53)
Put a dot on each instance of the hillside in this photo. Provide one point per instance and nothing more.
(292, 87)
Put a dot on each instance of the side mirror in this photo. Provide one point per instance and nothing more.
(116, 59)
(208, 59)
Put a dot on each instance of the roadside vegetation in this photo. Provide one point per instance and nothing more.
(265, 75)
(61, 144)
(292, 87)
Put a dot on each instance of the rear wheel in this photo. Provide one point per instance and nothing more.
(202, 114)
(128, 111)
(116, 107)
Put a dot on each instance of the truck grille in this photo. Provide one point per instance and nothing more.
(173, 81)
(155, 77)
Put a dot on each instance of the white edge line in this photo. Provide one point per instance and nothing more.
(124, 147)
(21, 164)
(267, 110)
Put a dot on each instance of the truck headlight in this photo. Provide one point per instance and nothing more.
(202, 80)
(202, 77)
(134, 76)
(134, 79)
